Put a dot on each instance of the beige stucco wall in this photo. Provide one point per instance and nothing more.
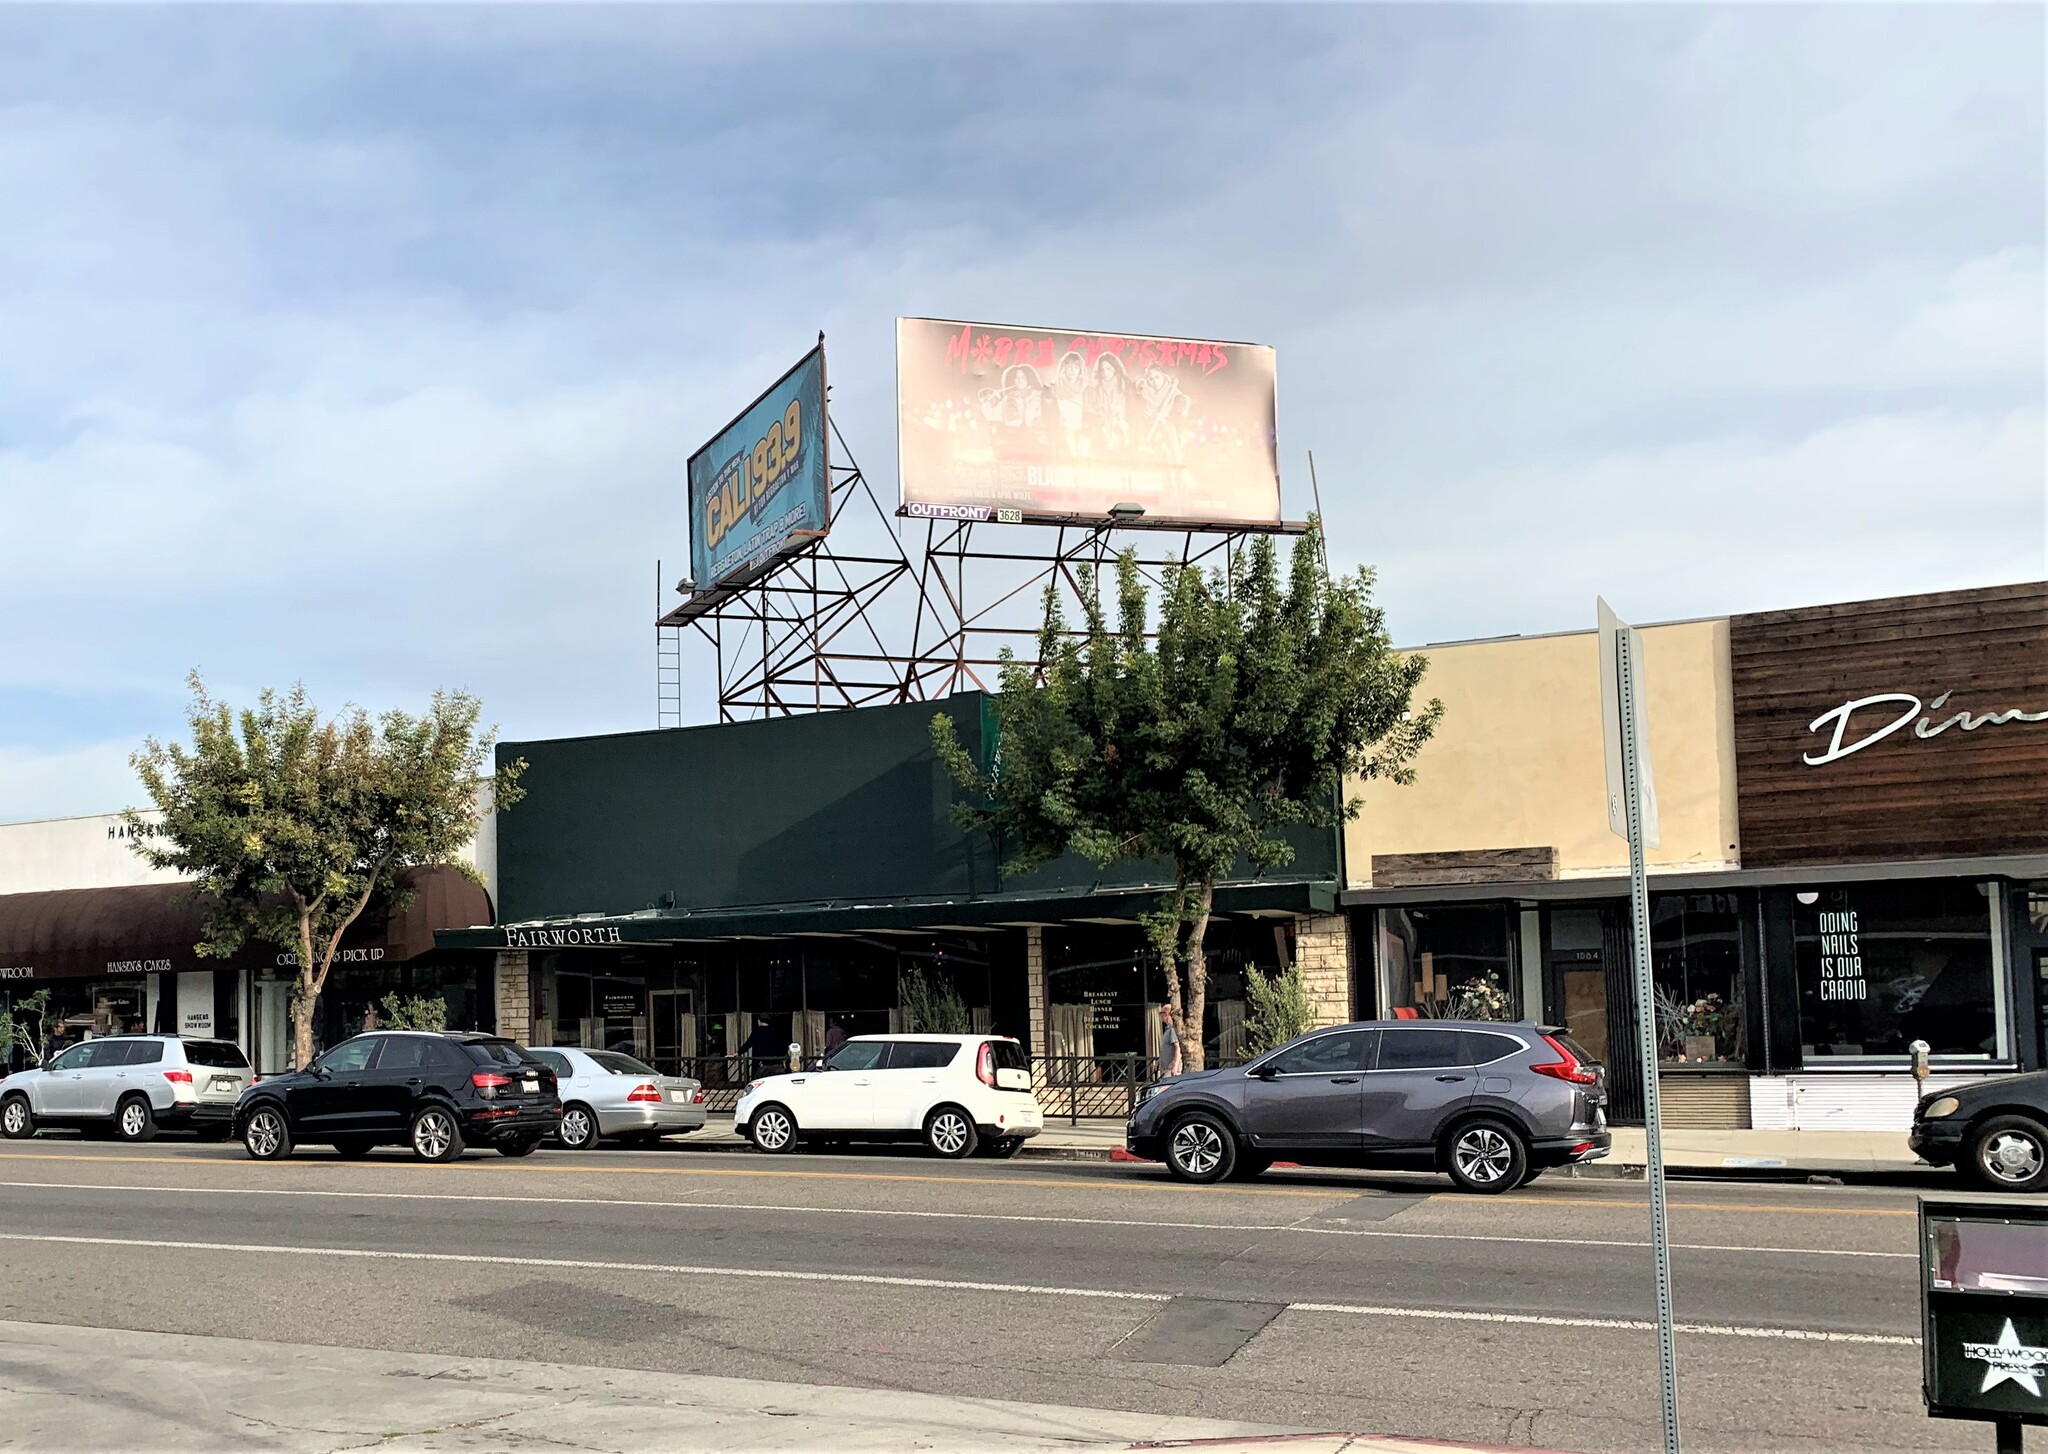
(1518, 763)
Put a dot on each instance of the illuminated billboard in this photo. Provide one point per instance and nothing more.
(762, 486)
(1040, 422)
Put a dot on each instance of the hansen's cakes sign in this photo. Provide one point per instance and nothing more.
(1905, 729)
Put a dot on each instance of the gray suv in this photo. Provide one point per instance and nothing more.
(131, 1085)
(1490, 1104)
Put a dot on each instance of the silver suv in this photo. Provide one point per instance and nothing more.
(1490, 1104)
(132, 1085)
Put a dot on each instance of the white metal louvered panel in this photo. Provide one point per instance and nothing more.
(1878, 1101)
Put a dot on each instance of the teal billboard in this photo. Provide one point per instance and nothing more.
(762, 485)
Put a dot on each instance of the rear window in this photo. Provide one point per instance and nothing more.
(219, 1054)
(1483, 1047)
(920, 1055)
(619, 1064)
(500, 1052)
(1008, 1055)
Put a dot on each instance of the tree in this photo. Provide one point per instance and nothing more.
(291, 826)
(422, 1012)
(1277, 1008)
(933, 1007)
(15, 1033)
(1242, 717)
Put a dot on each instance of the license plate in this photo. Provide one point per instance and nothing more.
(222, 1083)
(529, 1086)
(683, 1096)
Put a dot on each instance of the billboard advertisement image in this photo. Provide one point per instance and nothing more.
(761, 486)
(1053, 422)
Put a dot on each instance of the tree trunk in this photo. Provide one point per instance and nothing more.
(306, 999)
(1196, 998)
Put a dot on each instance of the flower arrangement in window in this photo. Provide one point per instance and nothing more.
(1478, 999)
(1693, 1030)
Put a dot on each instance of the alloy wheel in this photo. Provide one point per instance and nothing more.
(576, 1128)
(14, 1119)
(264, 1133)
(772, 1130)
(431, 1135)
(949, 1133)
(133, 1118)
(1483, 1155)
(1197, 1148)
(2012, 1156)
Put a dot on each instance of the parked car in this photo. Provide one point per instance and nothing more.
(130, 1085)
(1490, 1104)
(435, 1092)
(1994, 1132)
(605, 1093)
(959, 1094)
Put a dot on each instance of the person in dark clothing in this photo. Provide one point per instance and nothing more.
(765, 1051)
(835, 1036)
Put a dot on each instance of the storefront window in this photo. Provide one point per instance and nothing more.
(1451, 961)
(1696, 957)
(1884, 964)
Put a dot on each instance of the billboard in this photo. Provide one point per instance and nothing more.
(1023, 422)
(761, 485)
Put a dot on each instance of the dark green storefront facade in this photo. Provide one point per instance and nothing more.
(693, 895)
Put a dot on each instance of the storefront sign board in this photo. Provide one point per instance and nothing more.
(195, 1003)
(1909, 728)
(1044, 423)
(762, 487)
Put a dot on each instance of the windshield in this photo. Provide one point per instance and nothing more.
(858, 1055)
(619, 1064)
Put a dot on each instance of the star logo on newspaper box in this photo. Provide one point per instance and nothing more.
(2010, 1360)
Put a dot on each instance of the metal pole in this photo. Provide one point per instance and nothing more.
(1630, 669)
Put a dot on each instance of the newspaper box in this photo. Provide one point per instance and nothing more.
(1984, 1313)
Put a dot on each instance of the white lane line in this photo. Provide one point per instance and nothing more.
(588, 1265)
(267, 1191)
(1630, 1325)
(1449, 1315)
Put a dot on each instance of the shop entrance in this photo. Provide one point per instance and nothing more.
(673, 1025)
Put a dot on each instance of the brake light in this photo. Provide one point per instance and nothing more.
(1567, 1066)
(697, 1096)
(985, 1064)
(178, 1077)
(646, 1091)
(487, 1083)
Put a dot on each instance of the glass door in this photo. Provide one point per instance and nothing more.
(674, 1028)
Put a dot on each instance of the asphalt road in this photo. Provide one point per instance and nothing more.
(1366, 1303)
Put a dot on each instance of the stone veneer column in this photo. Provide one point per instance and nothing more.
(1034, 994)
(1322, 946)
(515, 995)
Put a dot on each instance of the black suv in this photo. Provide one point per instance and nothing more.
(434, 1092)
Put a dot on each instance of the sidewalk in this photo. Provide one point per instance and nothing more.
(66, 1389)
(1765, 1154)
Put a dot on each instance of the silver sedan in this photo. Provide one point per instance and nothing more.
(605, 1093)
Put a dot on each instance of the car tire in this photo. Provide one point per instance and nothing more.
(1530, 1175)
(1486, 1156)
(1200, 1148)
(436, 1135)
(773, 1129)
(1000, 1148)
(266, 1135)
(134, 1121)
(1251, 1168)
(522, 1147)
(950, 1132)
(353, 1148)
(17, 1118)
(2009, 1153)
(579, 1130)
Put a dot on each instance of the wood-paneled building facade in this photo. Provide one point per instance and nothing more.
(1855, 854)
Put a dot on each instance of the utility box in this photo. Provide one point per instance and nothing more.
(1984, 1313)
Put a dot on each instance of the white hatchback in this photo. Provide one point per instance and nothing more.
(956, 1093)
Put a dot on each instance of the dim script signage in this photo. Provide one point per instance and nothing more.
(1837, 723)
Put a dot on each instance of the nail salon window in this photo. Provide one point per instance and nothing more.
(1881, 965)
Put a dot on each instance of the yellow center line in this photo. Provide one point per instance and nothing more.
(1344, 1193)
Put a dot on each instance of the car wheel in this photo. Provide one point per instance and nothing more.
(17, 1121)
(2010, 1153)
(949, 1132)
(354, 1148)
(1200, 1148)
(435, 1135)
(773, 1130)
(579, 1127)
(522, 1147)
(1486, 1156)
(265, 1136)
(133, 1120)
(1530, 1175)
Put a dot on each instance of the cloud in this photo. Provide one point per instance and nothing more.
(71, 783)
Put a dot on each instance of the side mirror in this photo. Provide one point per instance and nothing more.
(1266, 1071)
(319, 1072)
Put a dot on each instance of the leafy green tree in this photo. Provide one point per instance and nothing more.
(1277, 1008)
(1242, 716)
(420, 1012)
(933, 1007)
(16, 1034)
(290, 826)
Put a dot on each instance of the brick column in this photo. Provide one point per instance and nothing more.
(1322, 946)
(515, 995)
(1034, 994)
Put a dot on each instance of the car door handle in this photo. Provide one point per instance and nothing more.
(859, 1081)
(415, 1080)
(1450, 1077)
(1345, 1080)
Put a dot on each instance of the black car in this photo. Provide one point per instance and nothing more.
(1995, 1132)
(434, 1092)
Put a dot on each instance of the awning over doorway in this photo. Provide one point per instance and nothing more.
(75, 933)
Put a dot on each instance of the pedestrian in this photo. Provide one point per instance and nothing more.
(763, 1047)
(835, 1036)
(1169, 1043)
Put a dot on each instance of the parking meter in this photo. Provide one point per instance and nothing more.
(796, 1056)
(1919, 1050)
(1984, 1313)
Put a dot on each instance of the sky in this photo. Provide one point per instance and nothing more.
(365, 346)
